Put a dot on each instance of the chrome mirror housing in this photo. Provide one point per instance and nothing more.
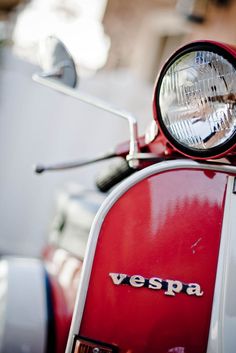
(56, 62)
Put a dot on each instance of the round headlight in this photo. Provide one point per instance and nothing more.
(195, 100)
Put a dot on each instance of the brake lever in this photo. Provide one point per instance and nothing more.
(39, 169)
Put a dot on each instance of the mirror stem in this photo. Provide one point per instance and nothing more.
(133, 127)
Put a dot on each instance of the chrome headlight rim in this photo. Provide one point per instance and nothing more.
(209, 46)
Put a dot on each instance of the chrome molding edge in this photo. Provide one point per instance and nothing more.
(106, 206)
(222, 337)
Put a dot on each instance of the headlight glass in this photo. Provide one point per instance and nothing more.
(197, 97)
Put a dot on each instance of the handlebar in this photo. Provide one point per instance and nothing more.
(113, 175)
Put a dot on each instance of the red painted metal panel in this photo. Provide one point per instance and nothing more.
(166, 226)
(64, 272)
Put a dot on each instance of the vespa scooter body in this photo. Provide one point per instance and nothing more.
(158, 274)
(150, 270)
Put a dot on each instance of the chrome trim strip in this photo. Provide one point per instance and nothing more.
(107, 204)
(222, 337)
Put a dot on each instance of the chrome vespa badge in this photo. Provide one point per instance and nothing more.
(170, 287)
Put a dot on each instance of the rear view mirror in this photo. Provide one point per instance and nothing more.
(57, 63)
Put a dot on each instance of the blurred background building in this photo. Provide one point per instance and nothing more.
(118, 46)
(113, 34)
(145, 33)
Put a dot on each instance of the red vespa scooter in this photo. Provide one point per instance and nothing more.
(158, 274)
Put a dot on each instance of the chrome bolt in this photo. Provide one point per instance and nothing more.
(96, 350)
